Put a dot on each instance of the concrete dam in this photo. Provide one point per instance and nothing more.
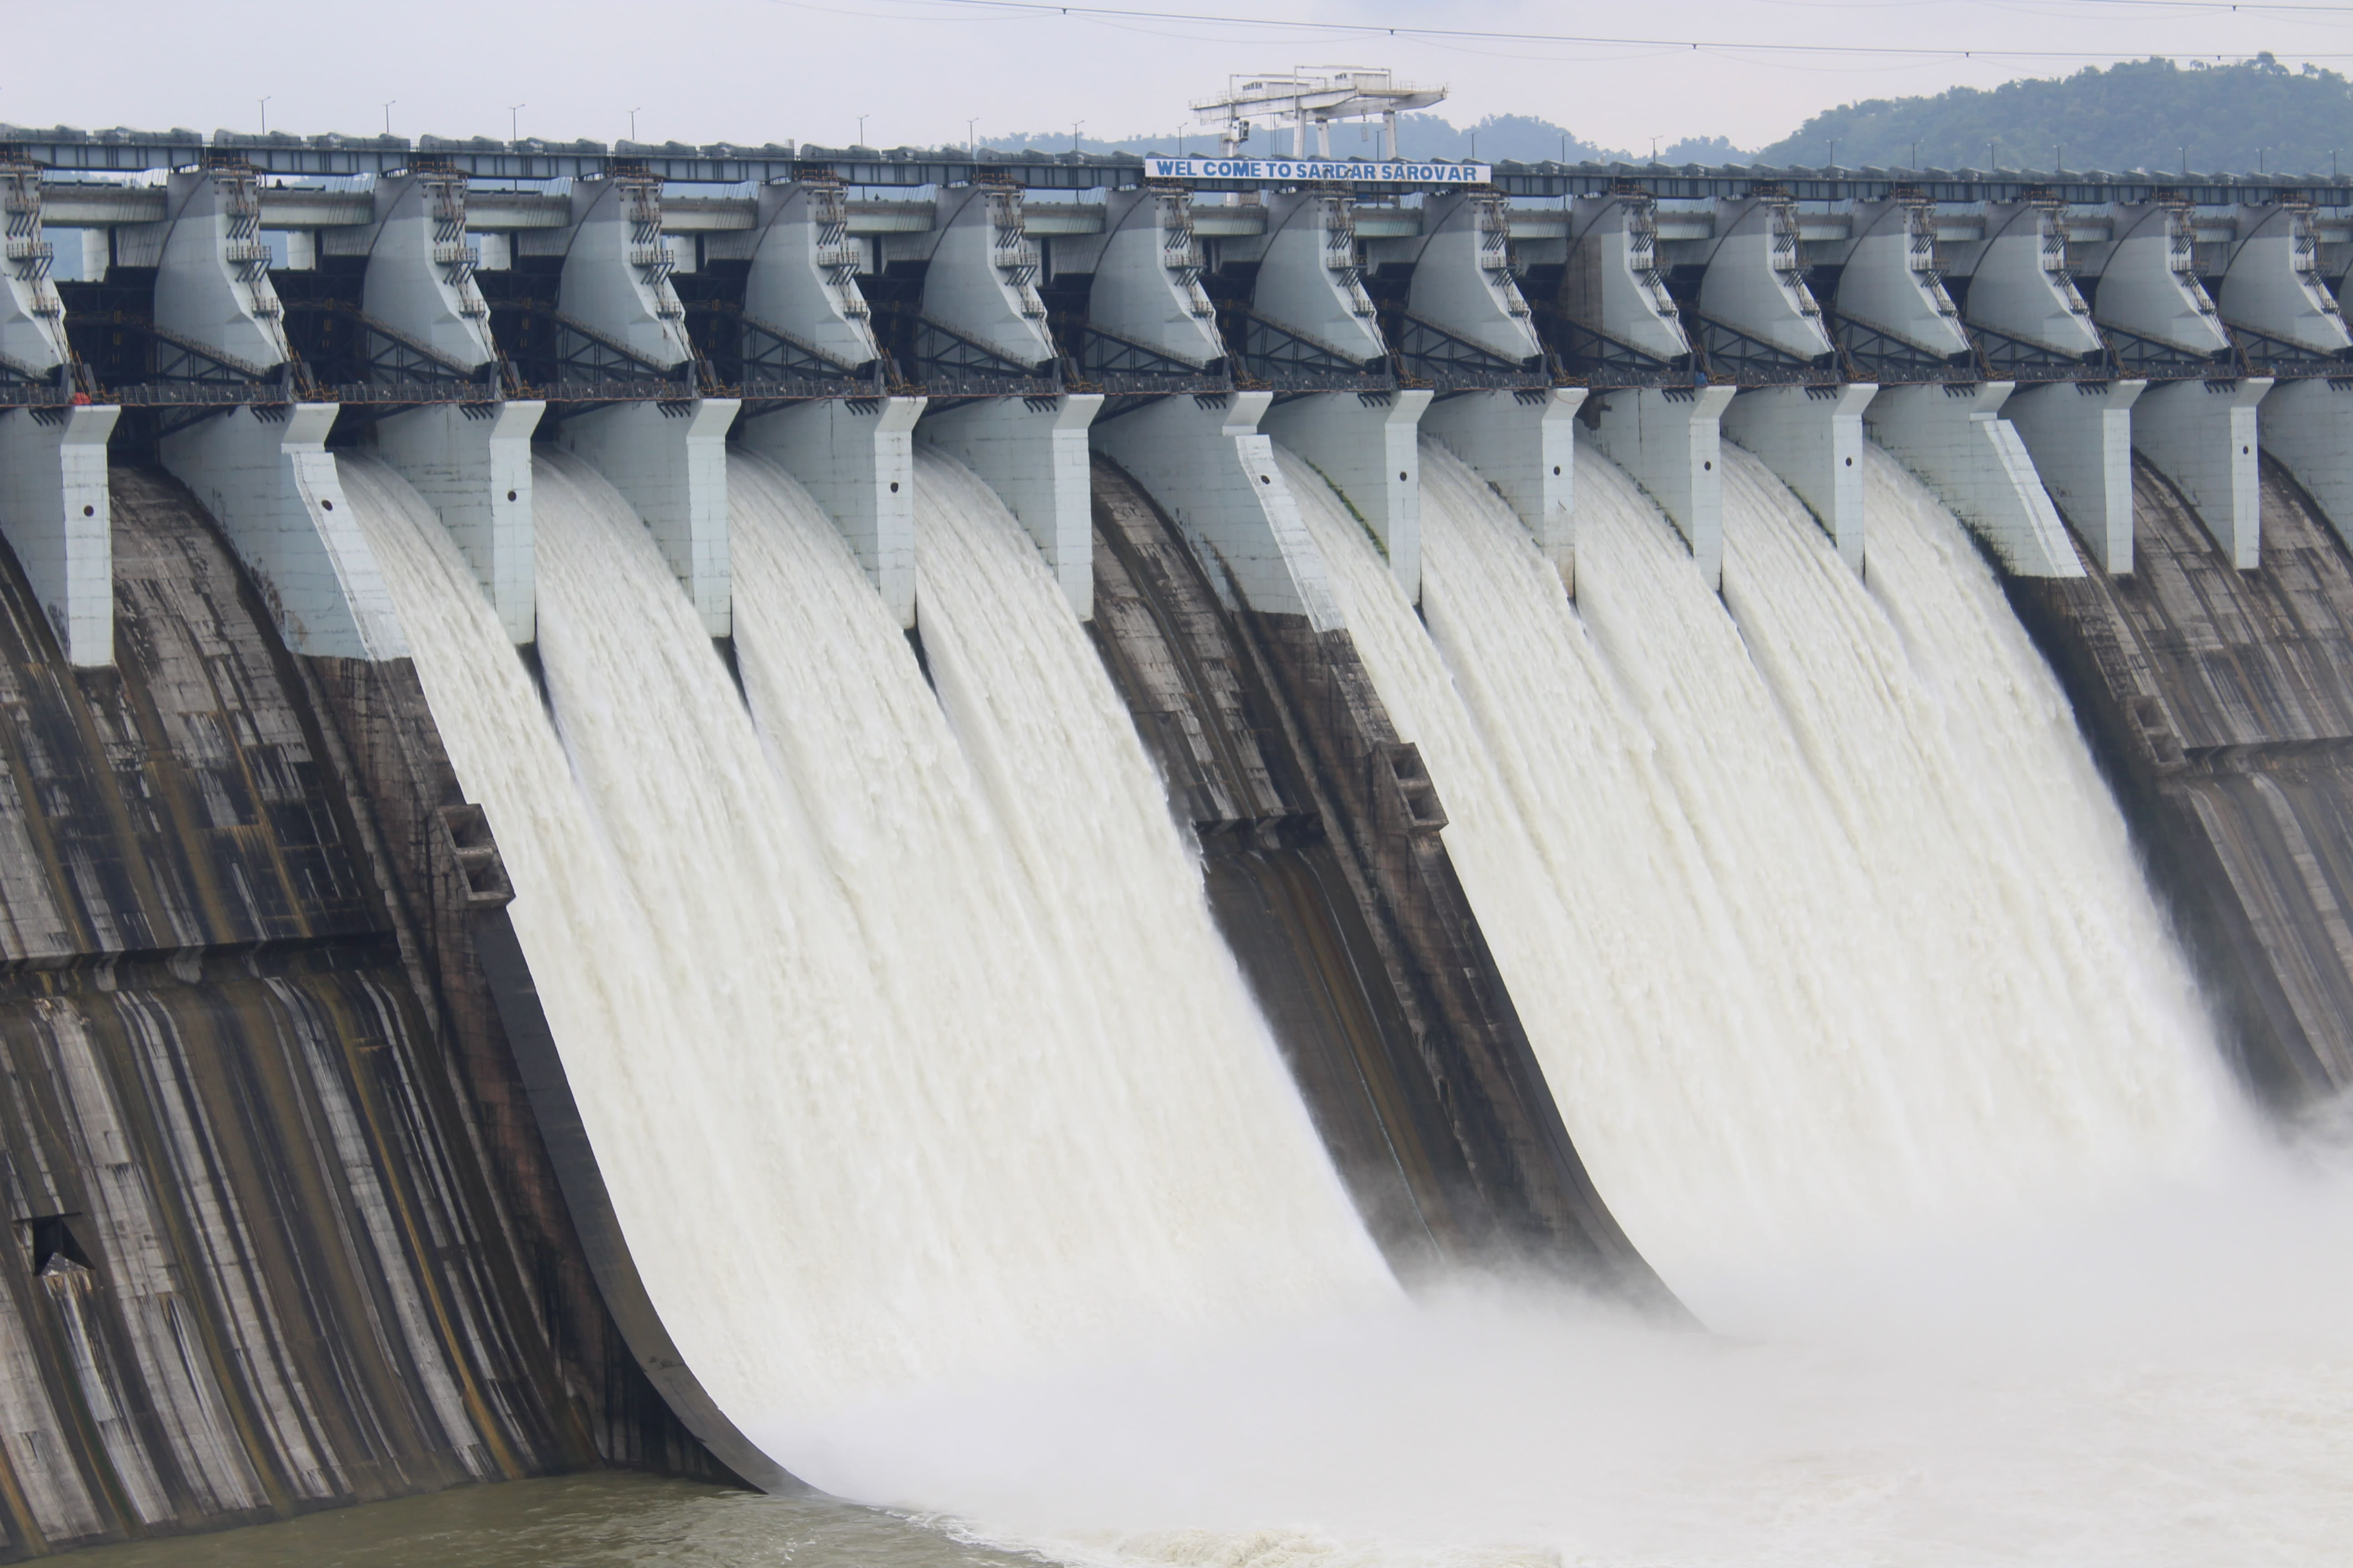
(659, 796)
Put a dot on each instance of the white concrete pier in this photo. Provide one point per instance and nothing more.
(1888, 279)
(856, 459)
(982, 282)
(54, 515)
(1463, 280)
(1670, 439)
(2149, 281)
(1307, 275)
(54, 510)
(2272, 285)
(1811, 438)
(2080, 435)
(1611, 283)
(1147, 277)
(803, 278)
(211, 279)
(472, 462)
(617, 268)
(1952, 435)
(469, 461)
(1365, 444)
(2019, 285)
(667, 457)
(1524, 444)
(2202, 434)
(265, 474)
(1756, 281)
(1032, 451)
(2307, 424)
(1204, 462)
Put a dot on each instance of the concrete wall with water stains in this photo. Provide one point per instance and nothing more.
(1328, 873)
(2220, 702)
(281, 1233)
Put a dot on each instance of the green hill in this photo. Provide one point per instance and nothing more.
(2138, 115)
(2141, 114)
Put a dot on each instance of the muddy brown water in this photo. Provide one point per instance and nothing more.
(602, 1519)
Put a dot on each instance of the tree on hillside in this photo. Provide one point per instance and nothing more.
(2142, 114)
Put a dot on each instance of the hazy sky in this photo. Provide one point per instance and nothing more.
(756, 70)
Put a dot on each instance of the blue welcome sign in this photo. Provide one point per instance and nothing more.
(1295, 171)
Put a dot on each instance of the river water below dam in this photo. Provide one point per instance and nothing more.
(604, 1520)
(2160, 1384)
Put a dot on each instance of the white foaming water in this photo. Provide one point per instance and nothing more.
(1811, 950)
(2153, 1370)
(2069, 1028)
(869, 1121)
(2156, 1385)
(2164, 1385)
(1110, 1146)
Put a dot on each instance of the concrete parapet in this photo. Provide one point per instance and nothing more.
(1203, 461)
(1668, 438)
(267, 478)
(2148, 281)
(1147, 287)
(2019, 285)
(32, 314)
(55, 515)
(2080, 435)
(856, 458)
(982, 277)
(2273, 285)
(1888, 280)
(1811, 438)
(1032, 451)
(212, 277)
(1463, 275)
(616, 266)
(2308, 427)
(1308, 278)
(420, 270)
(2202, 434)
(1524, 444)
(1365, 444)
(1611, 283)
(669, 460)
(1755, 280)
(472, 462)
(804, 272)
(1954, 437)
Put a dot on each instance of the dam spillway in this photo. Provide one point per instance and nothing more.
(677, 801)
(1822, 872)
(2220, 698)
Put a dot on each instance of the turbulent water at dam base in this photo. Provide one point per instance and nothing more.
(960, 1164)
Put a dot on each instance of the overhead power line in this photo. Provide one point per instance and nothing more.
(1493, 36)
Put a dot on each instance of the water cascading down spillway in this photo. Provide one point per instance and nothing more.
(1071, 897)
(1321, 848)
(2221, 705)
(822, 971)
(1698, 833)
